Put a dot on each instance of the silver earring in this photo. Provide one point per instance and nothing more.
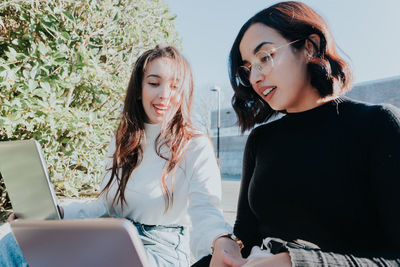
(309, 57)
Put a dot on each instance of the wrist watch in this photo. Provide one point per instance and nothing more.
(277, 245)
(227, 235)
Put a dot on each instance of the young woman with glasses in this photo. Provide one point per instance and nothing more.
(159, 168)
(319, 186)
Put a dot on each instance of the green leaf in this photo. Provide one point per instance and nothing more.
(116, 16)
(15, 41)
(34, 72)
(46, 86)
(173, 17)
(11, 54)
(21, 56)
(32, 85)
(23, 16)
(25, 73)
(65, 35)
(42, 48)
(69, 15)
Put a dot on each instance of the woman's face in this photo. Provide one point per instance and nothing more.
(159, 90)
(286, 86)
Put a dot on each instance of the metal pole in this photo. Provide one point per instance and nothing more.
(219, 120)
(218, 90)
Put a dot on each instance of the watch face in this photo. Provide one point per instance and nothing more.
(277, 245)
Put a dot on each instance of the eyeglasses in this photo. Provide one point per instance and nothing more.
(264, 64)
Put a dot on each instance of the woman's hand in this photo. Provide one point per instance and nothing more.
(230, 260)
(279, 260)
(12, 217)
(224, 245)
(61, 210)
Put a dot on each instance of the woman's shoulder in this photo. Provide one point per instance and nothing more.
(264, 128)
(199, 147)
(371, 111)
(385, 117)
(199, 141)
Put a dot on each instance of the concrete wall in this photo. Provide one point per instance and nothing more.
(230, 153)
(232, 146)
(228, 118)
(379, 91)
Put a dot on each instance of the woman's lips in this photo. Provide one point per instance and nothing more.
(160, 109)
(267, 92)
(270, 94)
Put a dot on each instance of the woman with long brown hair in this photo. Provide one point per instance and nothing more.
(159, 168)
(320, 185)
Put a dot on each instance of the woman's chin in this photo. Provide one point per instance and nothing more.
(275, 106)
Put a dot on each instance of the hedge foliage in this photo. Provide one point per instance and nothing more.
(64, 69)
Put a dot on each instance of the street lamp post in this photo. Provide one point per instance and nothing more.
(218, 90)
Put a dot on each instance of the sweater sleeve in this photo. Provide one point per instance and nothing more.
(97, 207)
(204, 197)
(301, 257)
(385, 185)
(246, 225)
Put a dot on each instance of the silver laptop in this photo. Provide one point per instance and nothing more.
(102, 242)
(25, 175)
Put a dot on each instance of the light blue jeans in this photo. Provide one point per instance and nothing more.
(164, 246)
(10, 254)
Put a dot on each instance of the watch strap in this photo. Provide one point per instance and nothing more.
(227, 235)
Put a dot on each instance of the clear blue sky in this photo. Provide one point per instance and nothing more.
(368, 31)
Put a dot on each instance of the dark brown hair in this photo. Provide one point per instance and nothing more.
(176, 131)
(329, 73)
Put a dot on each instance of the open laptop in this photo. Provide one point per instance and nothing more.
(102, 242)
(25, 175)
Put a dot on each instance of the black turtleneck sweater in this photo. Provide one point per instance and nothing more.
(331, 176)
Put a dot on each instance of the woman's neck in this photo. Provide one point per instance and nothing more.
(311, 99)
(152, 130)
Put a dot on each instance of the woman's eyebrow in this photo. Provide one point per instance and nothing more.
(258, 47)
(153, 75)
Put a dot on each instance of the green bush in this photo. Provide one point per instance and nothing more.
(64, 69)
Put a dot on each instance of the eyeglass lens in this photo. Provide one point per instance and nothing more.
(264, 64)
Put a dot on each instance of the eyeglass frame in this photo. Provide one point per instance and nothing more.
(258, 66)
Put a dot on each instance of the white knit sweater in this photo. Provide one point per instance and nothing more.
(197, 193)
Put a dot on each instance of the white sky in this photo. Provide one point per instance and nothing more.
(368, 31)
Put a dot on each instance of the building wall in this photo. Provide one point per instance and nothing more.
(231, 153)
(232, 143)
(378, 91)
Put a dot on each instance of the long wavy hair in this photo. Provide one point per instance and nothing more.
(329, 73)
(176, 129)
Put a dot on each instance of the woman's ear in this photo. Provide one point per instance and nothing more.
(312, 45)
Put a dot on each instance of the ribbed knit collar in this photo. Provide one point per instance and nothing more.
(318, 114)
(152, 130)
(331, 105)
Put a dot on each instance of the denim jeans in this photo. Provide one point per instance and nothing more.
(10, 254)
(164, 246)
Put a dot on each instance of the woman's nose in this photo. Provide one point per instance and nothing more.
(255, 76)
(165, 91)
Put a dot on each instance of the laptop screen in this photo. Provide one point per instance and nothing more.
(25, 175)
